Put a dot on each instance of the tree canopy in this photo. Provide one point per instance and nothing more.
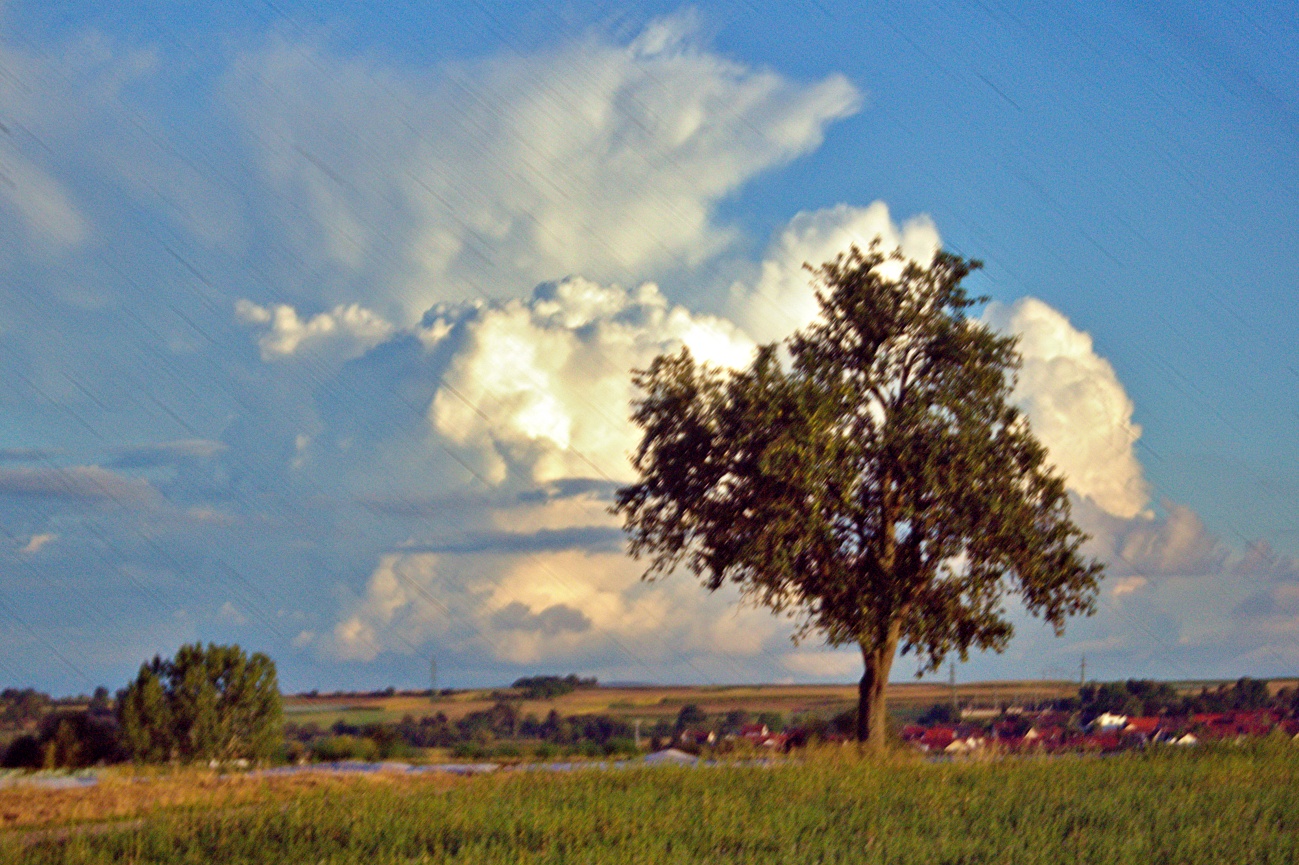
(869, 477)
(549, 687)
(213, 703)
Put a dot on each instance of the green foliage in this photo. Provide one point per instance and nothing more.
(733, 721)
(878, 486)
(66, 739)
(21, 707)
(144, 715)
(1143, 697)
(500, 721)
(549, 687)
(940, 713)
(100, 701)
(480, 733)
(1245, 693)
(336, 748)
(212, 703)
(431, 731)
(689, 716)
(24, 752)
(1162, 806)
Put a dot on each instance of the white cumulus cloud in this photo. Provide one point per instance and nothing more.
(1076, 405)
(346, 331)
(824, 664)
(564, 606)
(397, 608)
(543, 386)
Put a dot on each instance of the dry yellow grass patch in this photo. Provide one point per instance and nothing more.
(125, 795)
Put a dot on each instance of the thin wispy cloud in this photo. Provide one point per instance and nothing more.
(76, 483)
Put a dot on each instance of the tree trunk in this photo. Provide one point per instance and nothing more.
(872, 705)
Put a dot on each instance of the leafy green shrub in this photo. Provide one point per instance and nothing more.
(334, 748)
(620, 746)
(469, 751)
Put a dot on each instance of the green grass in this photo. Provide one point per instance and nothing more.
(1238, 805)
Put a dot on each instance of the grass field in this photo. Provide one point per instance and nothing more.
(1234, 804)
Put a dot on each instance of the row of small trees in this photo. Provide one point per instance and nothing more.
(212, 703)
(1142, 697)
(503, 731)
(549, 687)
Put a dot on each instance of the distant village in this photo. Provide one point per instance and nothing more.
(1105, 718)
(1054, 731)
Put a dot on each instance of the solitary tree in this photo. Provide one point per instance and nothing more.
(875, 483)
(213, 703)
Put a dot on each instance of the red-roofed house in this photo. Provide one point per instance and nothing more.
(1142, 729)
(1256, 723)
(1044, 737)
(1104, 742)
(937, 738)
(912, 733)
(698, 737)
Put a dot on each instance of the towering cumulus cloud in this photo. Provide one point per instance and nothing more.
(1076, 405)
(533, 393)
(483, 179)
(542, 386)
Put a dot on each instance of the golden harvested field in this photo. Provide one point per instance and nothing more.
(650, 702)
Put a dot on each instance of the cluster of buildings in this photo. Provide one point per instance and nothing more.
(757, 735)
(1052, 731)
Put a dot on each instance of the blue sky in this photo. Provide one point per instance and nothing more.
(316, 319)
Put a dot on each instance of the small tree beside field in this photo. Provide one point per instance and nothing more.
(213, 703)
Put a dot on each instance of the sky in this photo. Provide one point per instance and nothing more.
(317, 320)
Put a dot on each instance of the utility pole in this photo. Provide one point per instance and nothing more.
(1082, 674)
(637, 734)
(433, 679)
(951, 672)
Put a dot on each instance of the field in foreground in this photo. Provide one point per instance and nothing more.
(1233, 804)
